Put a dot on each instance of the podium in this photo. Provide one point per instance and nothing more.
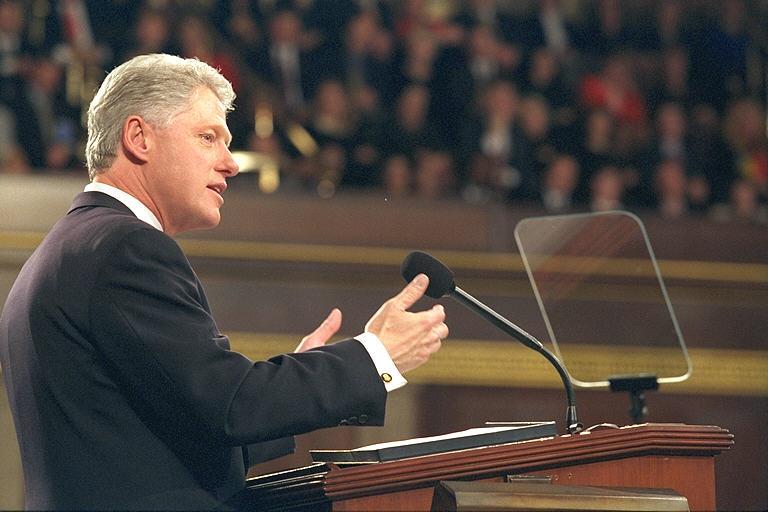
(648, 456)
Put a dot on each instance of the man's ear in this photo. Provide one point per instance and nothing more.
(136, 139)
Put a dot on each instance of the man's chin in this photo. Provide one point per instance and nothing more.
(201, 224)
(210, 222)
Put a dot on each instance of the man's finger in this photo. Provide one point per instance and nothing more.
(412, 292)
(323, 333)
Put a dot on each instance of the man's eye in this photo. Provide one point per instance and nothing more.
(207, 137)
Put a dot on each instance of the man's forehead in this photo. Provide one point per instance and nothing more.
(203, 96)
(204, 107)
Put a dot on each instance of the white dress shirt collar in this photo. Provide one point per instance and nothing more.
(137, 207)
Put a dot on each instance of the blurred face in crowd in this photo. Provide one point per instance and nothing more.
(421, 46)
(412, 106)
(433, 174)
(152, 30)
(745, 124)
(744, 199)
(563, 175)
(669, 15)
(501, 101)
(676, 64)
(46, 75)
(331, 99)
(397, 176)
(11, 17)
(671, 121)
(671, 180)
(361, 31)
(617, 74)
(285, 28)
(544, 67)
(482, 43)
(535, 118)
(187, 165)
(599, 126)
(607, 185)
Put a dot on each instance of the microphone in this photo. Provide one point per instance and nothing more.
(441, 284)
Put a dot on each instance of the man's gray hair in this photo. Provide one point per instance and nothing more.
(156, 87)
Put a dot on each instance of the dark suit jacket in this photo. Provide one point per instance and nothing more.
(123, 390)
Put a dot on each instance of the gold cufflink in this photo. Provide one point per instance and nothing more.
(386, 377)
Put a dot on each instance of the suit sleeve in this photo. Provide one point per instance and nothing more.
(155, 332)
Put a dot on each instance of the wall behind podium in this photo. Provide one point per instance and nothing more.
(278, 264)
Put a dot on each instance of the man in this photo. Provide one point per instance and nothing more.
(125, 395)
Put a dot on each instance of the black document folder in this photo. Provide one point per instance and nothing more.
(492, 434)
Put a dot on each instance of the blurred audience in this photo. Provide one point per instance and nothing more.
(574, 105)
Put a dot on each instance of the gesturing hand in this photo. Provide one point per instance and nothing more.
(322, 334)
(410, 338)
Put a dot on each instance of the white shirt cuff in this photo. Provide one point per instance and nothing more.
(390, 375)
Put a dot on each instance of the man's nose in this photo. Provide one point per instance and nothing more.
(228, 164)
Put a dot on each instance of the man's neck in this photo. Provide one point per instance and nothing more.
(133, 187)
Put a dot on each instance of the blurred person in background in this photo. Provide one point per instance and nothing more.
(242, 23)
(710, 155)
(595, 149)
(196, 37)
(365, 61)
(58, 122)
(548, 27)
(672, 84)
(719, 71)
(743, 205)
(151, 33)
(545, 77)
(411, 129)
(488, 13)
(434, 174)
(290, 64)
(559, 184)
(496, 149)
(463, 72)
(12, 44)
(671, 186)
(745, 130)
(414, 61)
(536, 122)
(606, 30)
(24, 150)
(669, 142)
(397, 176)
(671, 29)
(606, 190)
(615, 90)
(12, 158)
(332, 118)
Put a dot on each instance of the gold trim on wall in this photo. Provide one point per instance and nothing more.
(357, 255)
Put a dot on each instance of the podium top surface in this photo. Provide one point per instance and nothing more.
(334, 482)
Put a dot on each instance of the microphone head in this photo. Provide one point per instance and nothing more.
(440, 277)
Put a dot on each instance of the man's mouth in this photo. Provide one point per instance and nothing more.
(219, 188)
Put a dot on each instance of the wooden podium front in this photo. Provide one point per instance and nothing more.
(652, 456)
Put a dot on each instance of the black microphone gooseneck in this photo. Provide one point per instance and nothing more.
(441, 283)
